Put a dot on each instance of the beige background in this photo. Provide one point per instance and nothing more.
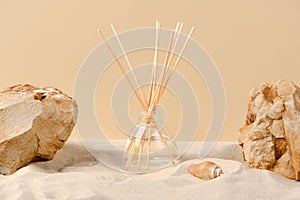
(44, 42)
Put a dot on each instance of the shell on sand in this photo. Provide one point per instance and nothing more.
(206, 170)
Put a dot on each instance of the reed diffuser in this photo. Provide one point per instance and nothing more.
(150, 146)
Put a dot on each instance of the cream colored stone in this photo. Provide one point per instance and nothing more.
(276, 110)
(270, 137)
(284, 166)
(277, 129)
(259, 150)
(257, 103)
(285, 89)
(34, 124)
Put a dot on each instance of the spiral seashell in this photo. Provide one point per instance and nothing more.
(206, 170)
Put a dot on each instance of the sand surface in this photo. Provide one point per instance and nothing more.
(75, 174)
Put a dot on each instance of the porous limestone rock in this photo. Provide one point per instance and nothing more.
(34, 124)
(270, 137)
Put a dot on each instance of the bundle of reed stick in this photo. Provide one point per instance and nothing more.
(157, 86)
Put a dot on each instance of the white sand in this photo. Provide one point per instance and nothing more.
(75, 174)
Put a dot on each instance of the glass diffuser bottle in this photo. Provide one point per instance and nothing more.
(150, 146)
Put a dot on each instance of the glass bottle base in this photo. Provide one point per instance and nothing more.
(150, 152)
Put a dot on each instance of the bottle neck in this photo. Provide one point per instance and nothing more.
(148, 117)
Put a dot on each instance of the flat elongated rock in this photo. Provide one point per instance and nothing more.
(34, 124)
(270, 137)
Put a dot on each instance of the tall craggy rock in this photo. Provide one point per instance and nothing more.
(270, 137)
